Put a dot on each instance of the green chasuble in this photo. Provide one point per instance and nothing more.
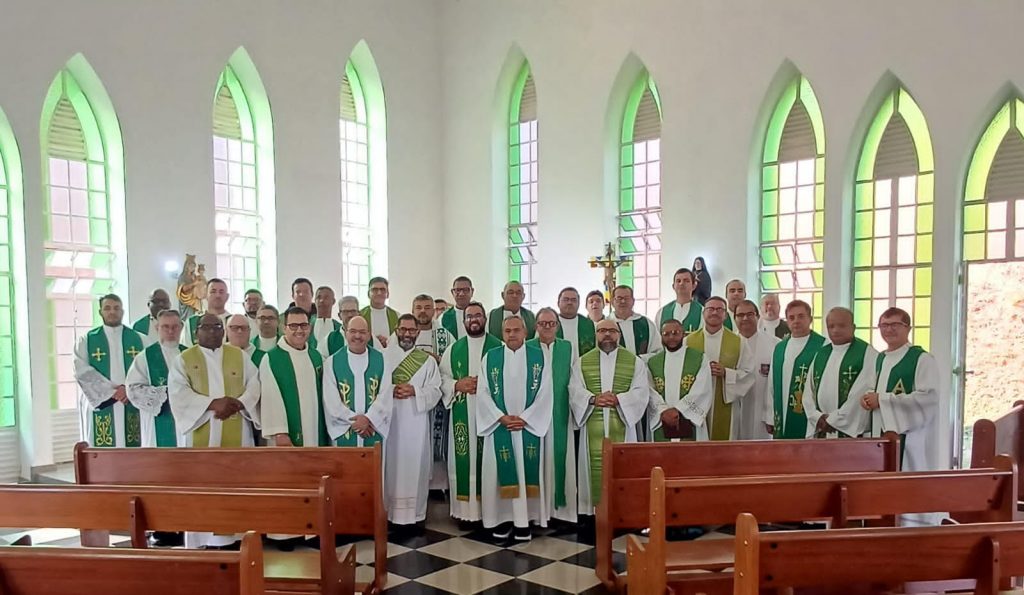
(284, 374)
(504, 453)
(561, 370)
(345, 379)
(691, 366)
(694, 318)
(98, 349)
(460, 418)
(141, 326)
(450, 323)
(728, 322)
(233, 368)
(166, 434)
(590, 367)
(901, 380)
(586, 336)
(849, 369)
(497, 317)
(392, 318)
(335, 339)
(641, 335)
(720, 418)
(795, 426)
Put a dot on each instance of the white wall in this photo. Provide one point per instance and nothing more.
(714, 62)
(159, 61)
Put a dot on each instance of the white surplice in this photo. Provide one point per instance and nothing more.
(827, 395)
(520, 510)
(408, 454)
(96, 389)
(737, 381)
(338, 416)
(568, 512)
(571, 333)
(152, 334)
(321, 329)
(273, 414)
(794, 347)
(148, 399)
(468, 510)
(701, 391)
(629, 340)
(632, 407)
(266, 343)
(679, 311)
(761, 346)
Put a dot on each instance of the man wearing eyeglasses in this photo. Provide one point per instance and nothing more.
(252, 303)
(348, 308)
(453, 319)
(269, 329)
(785, 416)
(238, 335)
(761, 346)
(732, 366)
(680, 377)
(382, 318)
(638, 335)
(147, 383)
(357, 394)
(575, 328)
(512, 305)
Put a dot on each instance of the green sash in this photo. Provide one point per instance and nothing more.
(257, 357)
(691, 367)
(392, 318)
(849, 369)
(728, 321)
(694, 318)
(901, 380)
(284, 374)
(460, 418)
(561, 369)
(345, 378)
(796, 418)
(166, 433)
(233, 367)
(98, 348)
(586, 337)
(590, 366)
(497, 317)
(450, 323)
(193, 327)
(335, 339)
(504, 453)
(411, 363)
(641, 335)
(141, 326)
(720, 418)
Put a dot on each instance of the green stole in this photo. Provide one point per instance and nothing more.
(411, 363)
(98, 348)
(460, 418)
(586, 337)
(641, 335)
(720, 418)
(450, 323)
(504, 453)
(284, 374)
(166, 434)
(497, 317)
(561, 369)
(233, 367)
(694, 318)
(796, 418)
(193, 327)
(590, 366)
(335, 340)
(728, 321)
(392, 318)
(345, 378)
(901, 380)
(849, 369)
(691, 366)
(141, 326)
(257, 357)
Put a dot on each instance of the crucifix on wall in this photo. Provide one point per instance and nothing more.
(610, 263)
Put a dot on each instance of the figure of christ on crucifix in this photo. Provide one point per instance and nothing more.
(610, 263)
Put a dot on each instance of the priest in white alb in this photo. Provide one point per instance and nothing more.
(513, 415)
(639, 335)
(784, 410)
(575, 328)
(682, 388)
(683, 308)
(454, 318)
(147, 383)
(325, 335)
(357, 394)
(761, 346)
(291, 375)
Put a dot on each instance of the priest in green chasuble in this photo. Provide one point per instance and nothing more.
(842, 368)
(454, 318)
(683, 308)
(559, 443)
(102, 359)
(638, 334)
(460, 382)
(417, 389)
(513, 416)
(382, 318)
(291, 375)
(609, 393)
(357, 394)
(785, 416)
(147, 383)
(575, 328)
(147, 325)
(732, 367)
(512, 305)
(681, 386)
(325, 335)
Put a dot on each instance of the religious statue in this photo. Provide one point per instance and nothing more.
(191, 287)
(610, 263)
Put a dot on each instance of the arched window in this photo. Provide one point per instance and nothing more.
(84, 215)
(12, 239)
(243, 186)
(792, 238)
(640, 194)
(893, 220)
(522, 184)
(362, 134)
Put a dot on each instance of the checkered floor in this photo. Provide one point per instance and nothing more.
(446, 560)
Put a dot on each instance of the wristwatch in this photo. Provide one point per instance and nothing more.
(593, 399)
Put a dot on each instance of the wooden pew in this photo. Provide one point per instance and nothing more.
(884, 558)
(972, 495)
(358, 494)
(116, 571)
(137, 509)
(1003, 435)
(626, 479)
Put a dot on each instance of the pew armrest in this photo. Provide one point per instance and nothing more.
(636, 565)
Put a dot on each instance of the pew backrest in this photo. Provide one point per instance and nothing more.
(1002, 435)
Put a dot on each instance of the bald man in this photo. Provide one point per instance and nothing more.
(238, 332)
(512, 297)
(146, 326)
(357, 394)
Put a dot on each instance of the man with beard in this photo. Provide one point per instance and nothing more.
(417, 389)
(453, 320)
(432, 338)
(638, 334)
(578, 330)
(770, 322)
(216, 299)
(512, 305)
(147, 383)
(460, 373)
(679, 376)
(761, 346)
(252, 303)
(357, 394)
(147, 325)
(609, 394)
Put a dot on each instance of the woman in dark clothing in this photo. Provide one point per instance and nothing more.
(702, 292)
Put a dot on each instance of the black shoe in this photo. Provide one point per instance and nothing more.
(522, 534)
(502, 531)
(168, 539)
(468, 526)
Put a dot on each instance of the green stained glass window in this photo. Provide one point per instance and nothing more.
(523, 185)
(892, 220)
(792, 200)
(640, 194)
(7, 359)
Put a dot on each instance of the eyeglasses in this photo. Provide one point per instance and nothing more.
(407, 331)
(461, 289)
(745, 316)
(210, 327)
(891, 326)
(475, 316)
(266, 318)
(608, 331)
(297, 326)
(713, 309)
(238, 327)
(547, 324)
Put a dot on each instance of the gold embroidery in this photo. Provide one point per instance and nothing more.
(99, 354)
(132, 351)
(104, 431)
(461, 436)
(686, 382)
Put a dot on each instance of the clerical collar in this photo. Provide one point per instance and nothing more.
(567, 318)
(283, 344)
(905, 347)
(365, 351)
(713, 334)
(213, 351)
(516, 313)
